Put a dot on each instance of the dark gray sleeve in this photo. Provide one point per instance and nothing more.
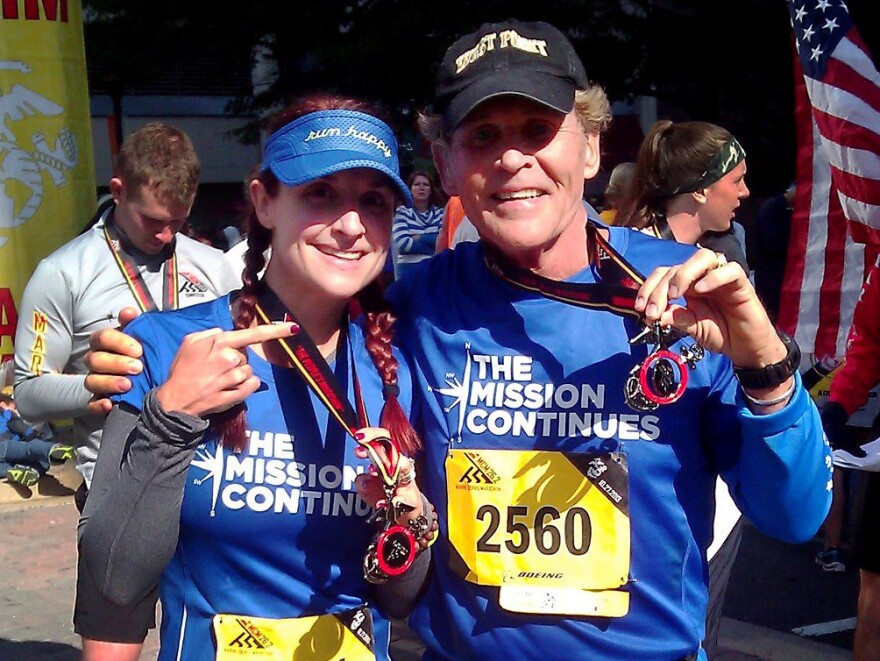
(130, 525)
(398, 596)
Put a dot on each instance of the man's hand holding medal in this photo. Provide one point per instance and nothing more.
(724, 315)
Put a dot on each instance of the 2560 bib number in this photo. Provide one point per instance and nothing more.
(542, 530)
(539, 518)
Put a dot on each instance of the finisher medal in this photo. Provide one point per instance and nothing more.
(662, 377)
(394, 547)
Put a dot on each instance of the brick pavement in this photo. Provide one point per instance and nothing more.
(38, 574)
(38, 578)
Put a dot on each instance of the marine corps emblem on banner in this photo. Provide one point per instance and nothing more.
(47, 180)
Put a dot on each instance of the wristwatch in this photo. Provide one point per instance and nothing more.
(775, 374)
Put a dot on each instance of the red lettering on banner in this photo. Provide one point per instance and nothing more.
(8, 319)
(9, 10)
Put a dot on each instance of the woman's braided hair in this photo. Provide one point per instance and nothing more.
(379, 320)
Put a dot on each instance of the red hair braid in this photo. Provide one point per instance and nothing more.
(378, 332)
(231, 425)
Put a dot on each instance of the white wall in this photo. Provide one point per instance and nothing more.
(224, 159)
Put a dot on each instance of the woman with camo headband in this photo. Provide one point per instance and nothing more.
(689, 181)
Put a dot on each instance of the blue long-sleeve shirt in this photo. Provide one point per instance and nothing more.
(522, 396)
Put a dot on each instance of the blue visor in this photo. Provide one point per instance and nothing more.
(328, 141)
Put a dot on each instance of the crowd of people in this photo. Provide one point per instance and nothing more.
(519, 489)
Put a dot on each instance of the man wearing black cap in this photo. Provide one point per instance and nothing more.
(575, 469)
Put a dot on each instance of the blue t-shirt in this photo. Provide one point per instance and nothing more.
(276, 531)
(505, 369)
(5, 417)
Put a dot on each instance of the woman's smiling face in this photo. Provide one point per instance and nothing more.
(330, 236)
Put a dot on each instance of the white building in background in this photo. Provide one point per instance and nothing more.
(224, 158)
(193, 97)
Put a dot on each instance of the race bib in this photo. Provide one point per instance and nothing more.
(535, 522)
(345, 636)
(817, 381)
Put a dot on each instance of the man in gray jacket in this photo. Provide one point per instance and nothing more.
(133, 256)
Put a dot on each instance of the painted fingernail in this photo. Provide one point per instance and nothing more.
(294, 329)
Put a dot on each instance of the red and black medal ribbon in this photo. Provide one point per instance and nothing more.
(135, 280)
(662, 377)
(312, 366)
(394, 548)
(616, 292)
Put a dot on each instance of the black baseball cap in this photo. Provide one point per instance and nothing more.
(533, 60)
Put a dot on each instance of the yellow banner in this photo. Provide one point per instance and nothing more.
(47, 179)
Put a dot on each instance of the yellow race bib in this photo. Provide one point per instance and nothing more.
(551, 529)
(345, 636)
(817, 380)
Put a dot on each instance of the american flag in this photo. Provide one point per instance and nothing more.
(837, 116)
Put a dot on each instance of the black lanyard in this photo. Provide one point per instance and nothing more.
(662, 377)
(660, 229)
(133, 276)
(312, 366)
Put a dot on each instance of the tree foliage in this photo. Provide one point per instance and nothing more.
(723, 62)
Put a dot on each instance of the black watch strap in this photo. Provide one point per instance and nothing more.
(775, 374)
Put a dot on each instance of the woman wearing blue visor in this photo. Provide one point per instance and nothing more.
(260, 416)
